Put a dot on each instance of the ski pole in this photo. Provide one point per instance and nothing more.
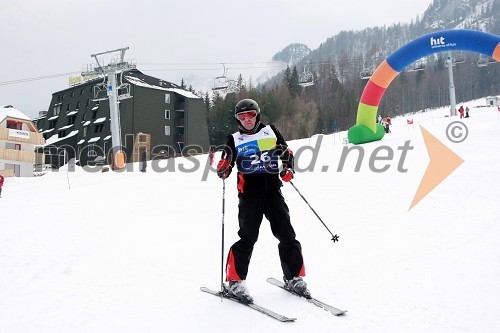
(335, 237)
(222, 252)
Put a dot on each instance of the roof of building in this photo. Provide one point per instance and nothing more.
(10, 111)
(138, 78)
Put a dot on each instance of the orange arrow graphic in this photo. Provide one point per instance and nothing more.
(442, 163)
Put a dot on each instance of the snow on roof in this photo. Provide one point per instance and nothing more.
(95, 107)
(72, 113)
(65, 127)
(100, 120)
(48, 131)
(10, 111)
(107, 138)
(81, 142)
(54, 139)
(97, 138)
(87, 123)
(54, 117)
(141, 83)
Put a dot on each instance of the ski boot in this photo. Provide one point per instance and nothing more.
(298, 286)
(239, 290)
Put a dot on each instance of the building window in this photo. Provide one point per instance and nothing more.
(167, 130)
(167, 98)
(71, 120)
(62, 134)
(94, 114)
(52, 124)
(57, 109)
(85, 131)
(167, 114)
(98, 128)
(81, 91)
(84, 117)
(92, 152)
(14, 125)
(68, 107)
(78, 105)
(73, 93)
(88, 103)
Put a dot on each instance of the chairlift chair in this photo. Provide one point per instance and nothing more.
(417, 66)
(221, 82)
(367, 72)
(482, 61)
(306, 78)
(460, 58)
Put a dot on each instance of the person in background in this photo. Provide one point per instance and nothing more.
(255, 149)
(387, 123)
(466, 112)
(461, 111)
(211, 155)
(144, 159)
(1, 185)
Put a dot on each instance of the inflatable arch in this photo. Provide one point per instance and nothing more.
(366, 128)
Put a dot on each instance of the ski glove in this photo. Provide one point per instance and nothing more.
(287, 174)
(224, 168)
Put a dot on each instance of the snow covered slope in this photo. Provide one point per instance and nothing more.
(114, 254)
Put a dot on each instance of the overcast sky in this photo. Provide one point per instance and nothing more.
(47, 37)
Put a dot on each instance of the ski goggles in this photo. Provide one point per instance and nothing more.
(247, 114)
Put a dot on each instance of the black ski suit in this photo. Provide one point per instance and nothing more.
(256, 156)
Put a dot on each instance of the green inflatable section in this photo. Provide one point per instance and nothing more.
(361, 134)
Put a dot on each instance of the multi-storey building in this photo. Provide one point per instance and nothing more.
(156, 116)
(18, 139)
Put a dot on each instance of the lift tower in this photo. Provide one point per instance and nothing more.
(113, 95)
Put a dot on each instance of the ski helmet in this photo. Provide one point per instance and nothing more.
(246, 105)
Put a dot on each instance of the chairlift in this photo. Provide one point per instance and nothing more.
(306, 78)
(367, 72)
(419, 65)
(482, 61)
(221, 82)
(460, 58)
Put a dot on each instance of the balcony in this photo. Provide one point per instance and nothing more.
(20, 156)
(179, 122)
(34, 137)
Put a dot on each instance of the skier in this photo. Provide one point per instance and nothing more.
(1, 185)
(386, 124)
(256, 148)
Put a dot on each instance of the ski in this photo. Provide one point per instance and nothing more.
(254, 306)
(318, 303)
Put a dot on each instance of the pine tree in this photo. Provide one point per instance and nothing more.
(293, 83)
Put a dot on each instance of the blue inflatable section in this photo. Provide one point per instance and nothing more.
(441, 41)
